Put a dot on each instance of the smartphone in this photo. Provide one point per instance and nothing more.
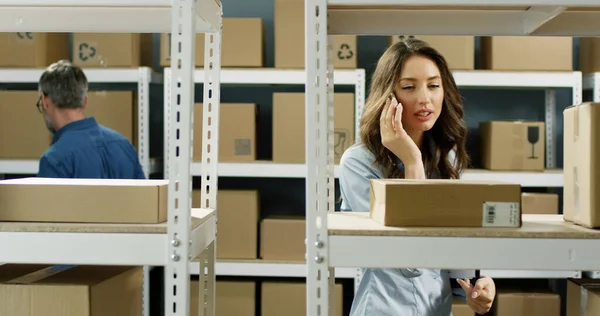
(393, 97)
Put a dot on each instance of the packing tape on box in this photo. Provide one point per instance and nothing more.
(40, 274)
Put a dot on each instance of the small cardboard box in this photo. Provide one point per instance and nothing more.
(289, 299)
(289, 126)
(83, 200)
(233, 298)
(517, 303)
(460, 308)
(581, 171)
(282, 239)
(583, 294)
(539, 203)
(289, 39)
(459, 51)
(457, 203)
(242, 44)
(513, 145)
(238, 230)
(71, 291)
(39, 50)
(534, 53)
(112, 50)
(237, 132)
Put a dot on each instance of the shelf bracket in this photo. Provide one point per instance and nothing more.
(536, 16)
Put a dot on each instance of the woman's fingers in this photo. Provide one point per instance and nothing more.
(398, 117)
(383, 117)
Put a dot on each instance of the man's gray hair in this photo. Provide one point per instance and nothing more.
(65, 84)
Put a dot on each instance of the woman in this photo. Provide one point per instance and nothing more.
(412, 128)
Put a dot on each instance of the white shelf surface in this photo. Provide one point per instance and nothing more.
(129, 16)
(31, 166)
(473, 18)
(530, 274)
(516, 79)
(266, 269)
(273, 76)
(548, 178)
(94, 75)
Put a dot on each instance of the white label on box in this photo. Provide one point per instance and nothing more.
(501, 214)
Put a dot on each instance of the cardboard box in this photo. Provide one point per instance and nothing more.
(282, 239)
(237, 132)
(535, 53)
(513, 145)
(241, 46)
(112, 50)
(539, 203)
(581, 172)
(589, 54)
(460, 308)
(583, 294)
(231, 298)
(459, 51)
(115, 110)
(289, 126)
(289, 39)
(39, 50)
(239, 214)
(76, 291)
(289, 299)
(20, 118)
(89, 200)
(457, 203)
(518, 303)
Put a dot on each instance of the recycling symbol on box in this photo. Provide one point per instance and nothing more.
(86, 51)
(345, 52)
(26, 35)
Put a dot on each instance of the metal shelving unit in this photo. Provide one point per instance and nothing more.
(175, 243)
(592, 82)
(332, 244)
(142, 76)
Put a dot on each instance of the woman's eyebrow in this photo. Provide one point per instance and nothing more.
(414, 79)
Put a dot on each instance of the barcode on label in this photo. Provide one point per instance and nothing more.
(501, 214)
(491, 213)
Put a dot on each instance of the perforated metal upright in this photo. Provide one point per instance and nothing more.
(183, 39)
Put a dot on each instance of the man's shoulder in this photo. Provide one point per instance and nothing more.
(111, 133)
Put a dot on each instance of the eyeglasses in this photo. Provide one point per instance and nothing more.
(39, 104)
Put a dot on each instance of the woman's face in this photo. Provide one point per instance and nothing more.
(421, 94)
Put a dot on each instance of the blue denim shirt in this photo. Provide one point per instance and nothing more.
(86, 149)
(389, 292)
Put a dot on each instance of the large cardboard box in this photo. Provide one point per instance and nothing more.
(289, 126)
(39, 50)
(88, 200)
(239, 213)
(539, 203)
(583, 297)
(535, 53)
(242, 44)
(457, 203)
(232, 298)
(24, 133)
(282, 239)
(589, 54)
(581, 172)
(459, 51)
(71, 291)
(517, 303)
(289, 299)
(289, 39)
(460, 308)
(513, 145)
(237, 132)
(116, 110)
(112, 50)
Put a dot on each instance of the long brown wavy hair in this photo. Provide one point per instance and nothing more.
(448, 133)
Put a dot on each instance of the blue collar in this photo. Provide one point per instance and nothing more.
(74, 126)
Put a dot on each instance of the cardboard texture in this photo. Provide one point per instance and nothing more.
(289, 128)
(237, 132)
(459, 51)
(111, 50)
(76, 291)
(460, 308)
(39, 50)
(282, 239)
(25, 135)
(589, 54)
(539, 203)
(583, 297)
(239, 213)
(289, 39)
(457, 203)
(116, 110)
(581, 168)
(232, 298)
(513, 145)
(83, 200)
(242, 44)
(526, 304)
(536, 53)
(289, 299)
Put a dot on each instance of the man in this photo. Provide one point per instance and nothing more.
(81, 148)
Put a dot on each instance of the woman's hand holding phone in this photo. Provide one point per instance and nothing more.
(394, 136)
